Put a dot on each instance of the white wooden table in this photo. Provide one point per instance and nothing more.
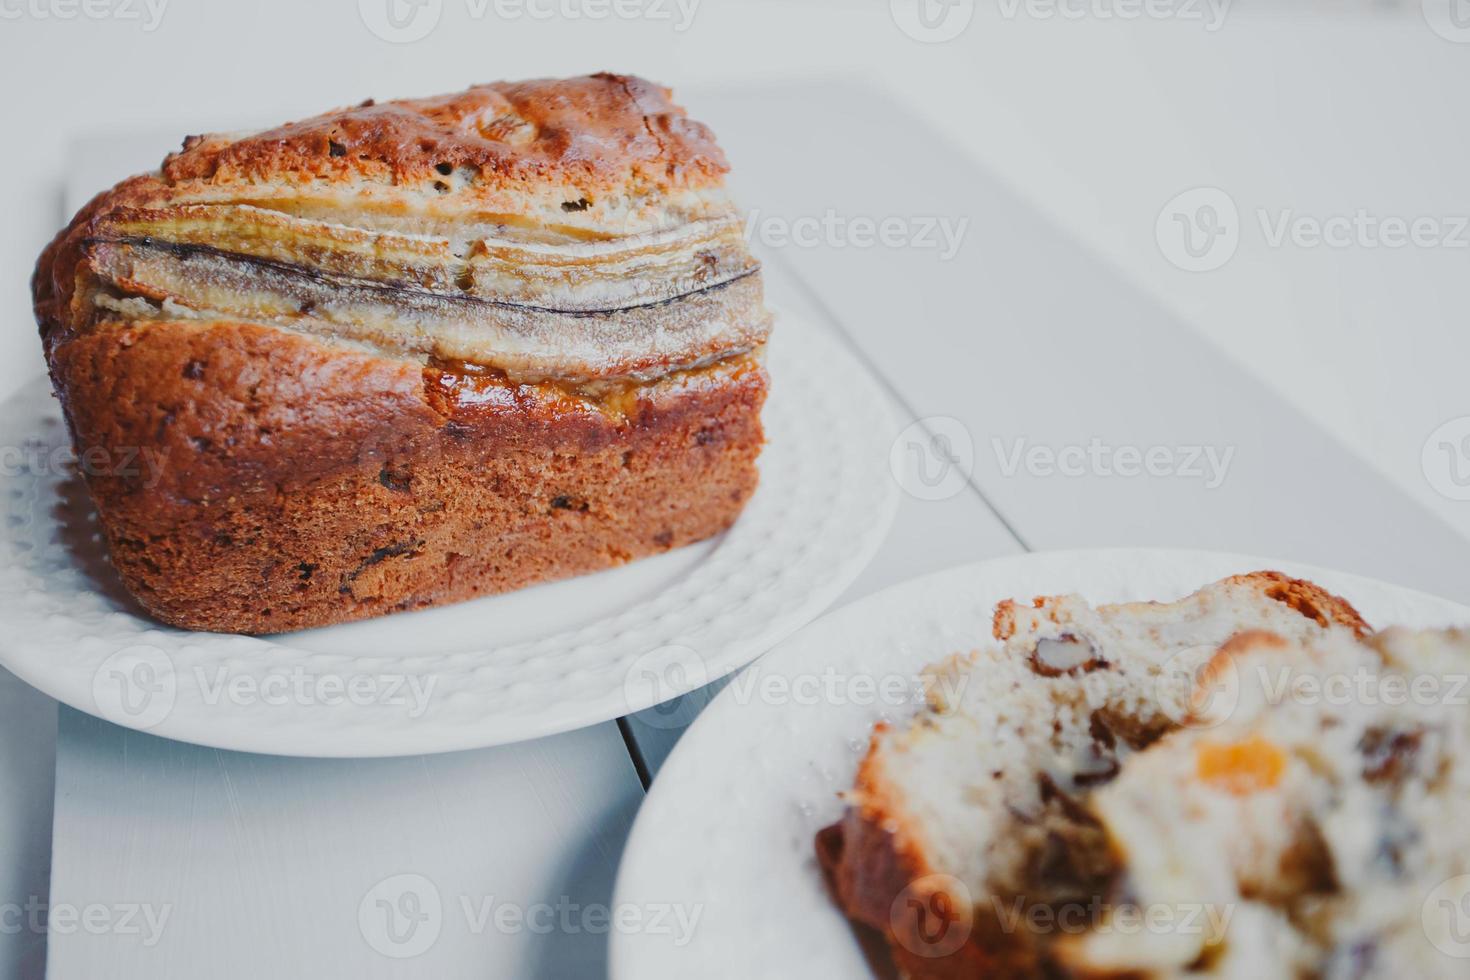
(1021, 339)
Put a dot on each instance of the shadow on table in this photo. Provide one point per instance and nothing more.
(590, 875)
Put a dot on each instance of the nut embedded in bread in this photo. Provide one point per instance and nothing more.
(974, 818)
(408, 353)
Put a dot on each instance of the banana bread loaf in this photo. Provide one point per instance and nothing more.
(408, 353)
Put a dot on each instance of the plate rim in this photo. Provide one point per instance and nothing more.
(819, 346)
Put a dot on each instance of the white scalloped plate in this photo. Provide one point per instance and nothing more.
(486, 672)
(725, 837)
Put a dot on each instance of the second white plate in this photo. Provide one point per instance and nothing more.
(494, 670)
(723, 847)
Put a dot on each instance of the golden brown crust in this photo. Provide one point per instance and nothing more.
(876, 865)
(1307, 598)
(597, 131)
(1003, 625)
(300, 484)
(875, 824)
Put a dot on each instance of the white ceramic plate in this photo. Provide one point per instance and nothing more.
(494, 670)
(724, 840)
